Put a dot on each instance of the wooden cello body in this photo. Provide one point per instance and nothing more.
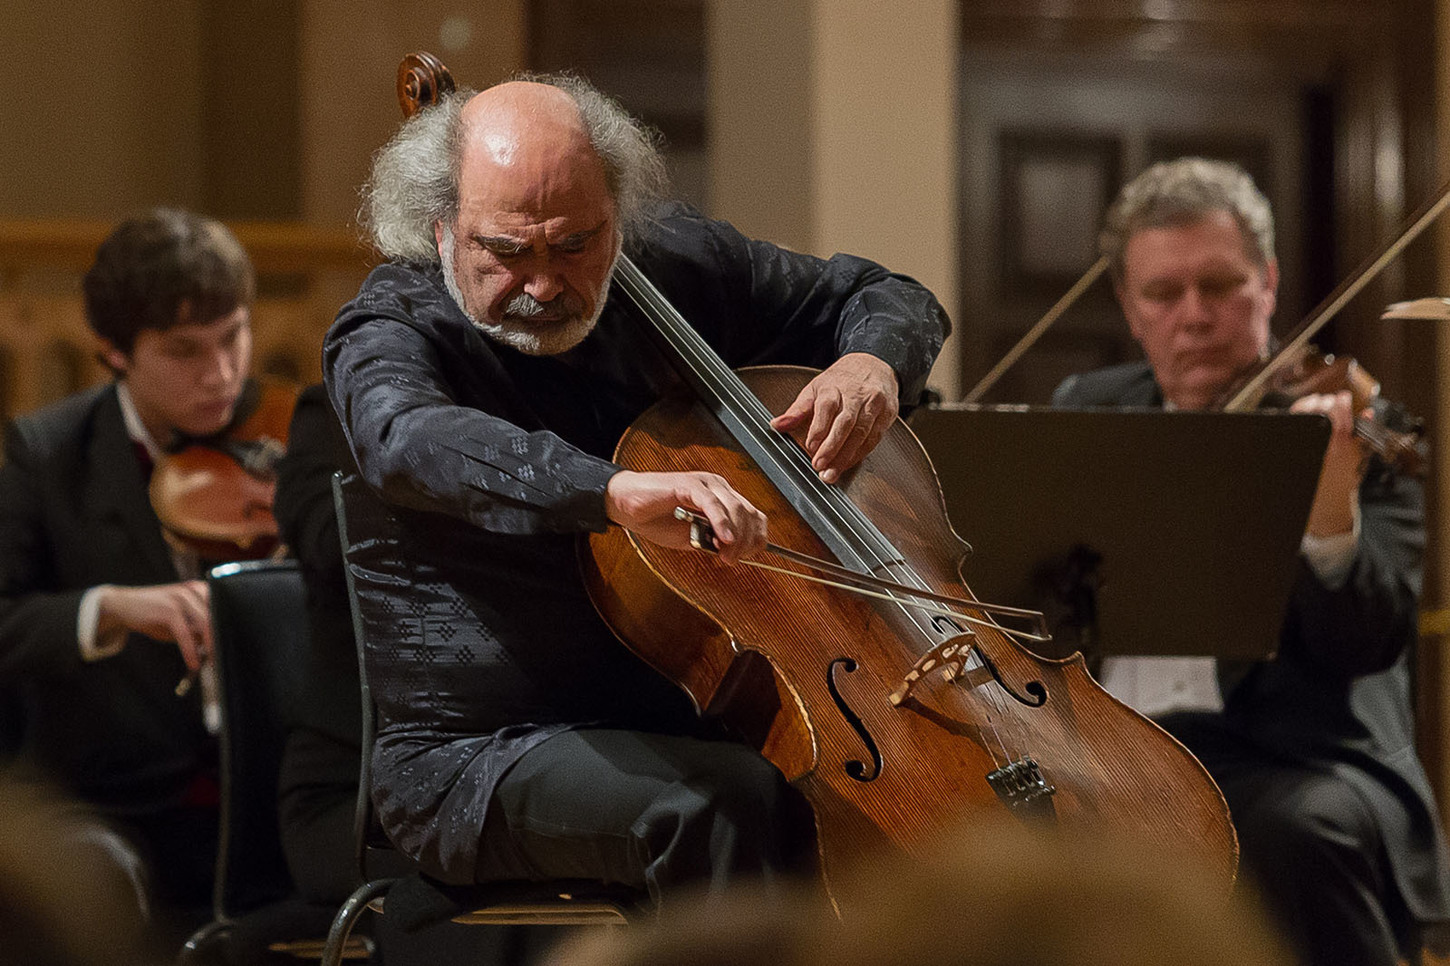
(806, 672)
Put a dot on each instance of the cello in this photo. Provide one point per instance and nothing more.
(896, 717)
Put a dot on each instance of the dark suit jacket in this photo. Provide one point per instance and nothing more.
(1337, 696)
(73, 514)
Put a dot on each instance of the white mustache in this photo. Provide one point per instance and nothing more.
(525, 306)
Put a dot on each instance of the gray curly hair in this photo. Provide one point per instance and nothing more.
(1181, 192)
(414, 181)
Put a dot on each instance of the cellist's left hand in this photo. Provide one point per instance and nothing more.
(849, 407)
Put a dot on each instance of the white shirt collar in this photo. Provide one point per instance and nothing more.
(134, 427)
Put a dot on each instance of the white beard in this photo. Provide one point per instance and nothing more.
(530, 338)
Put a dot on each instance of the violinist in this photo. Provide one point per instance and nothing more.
(1314, 749)
(99, 616)
(483, 378)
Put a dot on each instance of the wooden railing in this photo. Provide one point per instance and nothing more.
(304, 273)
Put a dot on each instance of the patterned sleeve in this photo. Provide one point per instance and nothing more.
(420, 449)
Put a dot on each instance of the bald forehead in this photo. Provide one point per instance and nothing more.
(524, 147)
(522, 120)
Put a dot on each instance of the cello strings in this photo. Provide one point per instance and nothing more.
(702, 537)
(924, 607)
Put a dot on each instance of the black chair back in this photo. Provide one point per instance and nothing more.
(259, 613)
(376, 856)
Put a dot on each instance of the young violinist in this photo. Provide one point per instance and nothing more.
(1313, 750)
(483, 378)
(99, 616)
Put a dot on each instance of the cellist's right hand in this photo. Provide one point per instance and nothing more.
(645, 503)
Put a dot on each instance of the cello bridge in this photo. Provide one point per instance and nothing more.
(950, 657)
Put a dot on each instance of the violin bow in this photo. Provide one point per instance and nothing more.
(1246, 396)
(1038, 330)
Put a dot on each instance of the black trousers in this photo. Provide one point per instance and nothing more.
(658, 812)
(1311, 847)
(317, 799)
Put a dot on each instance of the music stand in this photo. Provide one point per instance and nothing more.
(1138, 532)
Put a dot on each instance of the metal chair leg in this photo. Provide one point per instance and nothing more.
(347, 917)
(198, 940)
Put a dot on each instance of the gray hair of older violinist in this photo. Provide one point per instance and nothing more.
(1176, 193)
(414, 182)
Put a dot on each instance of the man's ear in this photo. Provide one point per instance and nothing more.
(1271, 281)
(111, 356)
(1123, 306)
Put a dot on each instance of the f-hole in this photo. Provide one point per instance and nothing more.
(855, 768)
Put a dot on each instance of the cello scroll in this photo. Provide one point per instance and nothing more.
(422, 80)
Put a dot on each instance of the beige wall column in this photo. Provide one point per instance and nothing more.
(1439, 497)
(760, 130)
(833, 128)
(885, 95)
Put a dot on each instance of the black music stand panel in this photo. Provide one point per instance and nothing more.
(1195, 518)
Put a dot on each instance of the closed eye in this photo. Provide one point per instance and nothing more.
(1162, 292)
(1219, 286)
(502, 247)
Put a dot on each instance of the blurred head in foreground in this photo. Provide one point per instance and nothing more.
(996, 896)
(60, 903)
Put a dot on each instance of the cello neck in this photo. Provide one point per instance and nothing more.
(844, 529)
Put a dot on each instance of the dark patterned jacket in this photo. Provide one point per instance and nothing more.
(491, 464)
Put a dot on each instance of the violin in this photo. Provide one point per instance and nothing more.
(213, 495)
(1298, 368)
(1312, 372)
(895, 714)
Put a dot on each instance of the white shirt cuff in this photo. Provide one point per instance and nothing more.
(87, 617)
(1331, 557)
